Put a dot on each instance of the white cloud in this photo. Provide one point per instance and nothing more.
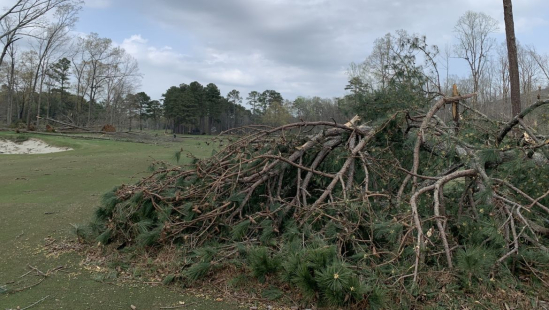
(297, 47)
(231, 77)
(132, 44)
(163, 67)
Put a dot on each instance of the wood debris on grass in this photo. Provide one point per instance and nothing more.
(348, 214)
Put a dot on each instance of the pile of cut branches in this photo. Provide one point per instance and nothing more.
(352, 214)
(272, 175)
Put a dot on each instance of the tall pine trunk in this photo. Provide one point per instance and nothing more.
(512, 54)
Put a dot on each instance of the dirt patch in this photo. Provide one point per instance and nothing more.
(31, 146)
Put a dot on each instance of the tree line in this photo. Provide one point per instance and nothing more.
(49, 73)
(87, 80)
(401, 71)
(400, 57)
(194, 108)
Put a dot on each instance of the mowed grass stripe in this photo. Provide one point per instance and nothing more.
(42, 194)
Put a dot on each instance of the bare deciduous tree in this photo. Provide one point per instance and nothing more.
(121, 78)
(473, 32)
(11, 51)
(102, 72)
(541, 60)
(48, 41)
(529, 74)
(26, 14)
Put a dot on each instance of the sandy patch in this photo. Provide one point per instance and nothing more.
(31, 146)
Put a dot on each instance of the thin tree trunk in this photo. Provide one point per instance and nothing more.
(39, 102)
(48, 103)
(29, 105)
(9, 41)
(89, 112)
(21, 106)
(10, 92)
(140, 116)
(512, 54)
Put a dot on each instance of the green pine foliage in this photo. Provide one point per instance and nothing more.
(387, 232)
(333, 282)
(377, 299)
(240, 230)
(317, 272)
(104, 237)
(239, 281)
(161, 176)
(272, 293)
(143, 226)
(137, 197)
(168, 279)
(149, 237)
(82, 232)
(262, 262)
(197, 271)
(356, 289)
(108, 203)
(205, 254)
(267, 232)
(305, 281)
(474, 264)
(165, 212)
(489, 156)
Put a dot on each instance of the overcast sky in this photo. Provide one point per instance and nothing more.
(296, 47)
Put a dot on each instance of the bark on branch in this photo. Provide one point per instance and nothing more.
(503, 132)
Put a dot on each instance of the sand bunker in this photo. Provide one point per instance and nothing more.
(31, 146)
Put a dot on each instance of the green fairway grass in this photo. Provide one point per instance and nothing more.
(42, 195)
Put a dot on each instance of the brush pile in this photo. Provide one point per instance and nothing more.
(350, 214)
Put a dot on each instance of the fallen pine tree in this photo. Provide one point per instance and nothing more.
(349, 214)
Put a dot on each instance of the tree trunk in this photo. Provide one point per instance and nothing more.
(21, 106)
(130, 119)
(9, 108)
(512, 54)
(140, 117)
(39, 103)
(29, 108)
(10, 92)
(89, 112)
(48, 103)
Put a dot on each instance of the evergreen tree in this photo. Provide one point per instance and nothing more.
(403, 82)
(253, 100)
(60, 73)
(267, 97)
(172, 104)
(142, 101)
(153, 109)
(193, 104)
(234, 99)
(212, 105)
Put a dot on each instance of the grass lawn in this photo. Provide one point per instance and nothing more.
(41, 195)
